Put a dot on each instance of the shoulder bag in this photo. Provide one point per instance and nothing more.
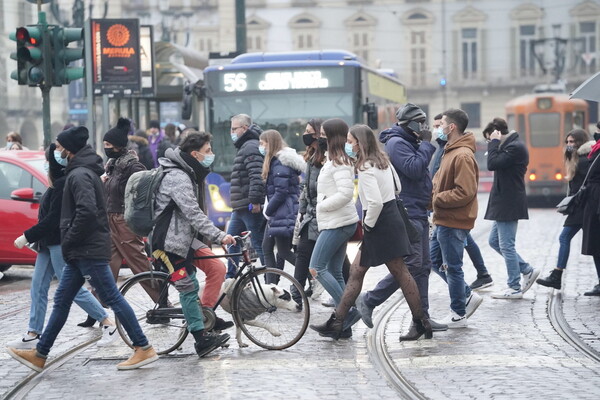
(569, 204)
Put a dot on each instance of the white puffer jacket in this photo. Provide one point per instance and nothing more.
(335, 206)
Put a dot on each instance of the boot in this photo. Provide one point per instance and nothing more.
(296, 297)
(417, 328)
(553, 280)
(88, 323)
(594, 292)
(331, 328)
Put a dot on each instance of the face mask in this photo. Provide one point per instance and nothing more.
(46, 167)
(58, 157)
(569, 149)
(234, 137)
(8, 145)
(322, 143)
(308, 139)
(208, 160)
(441, 135)
(262, 150)
(348, 148)
(597, 136)
(111, 153)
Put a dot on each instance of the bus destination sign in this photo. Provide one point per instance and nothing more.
(261, 80)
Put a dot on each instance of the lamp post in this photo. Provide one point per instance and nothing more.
(555, 62)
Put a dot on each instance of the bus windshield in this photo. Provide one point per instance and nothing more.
(544, 129)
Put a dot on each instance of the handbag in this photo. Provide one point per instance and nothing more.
(358, 233)
(569, 204)
(412, 233)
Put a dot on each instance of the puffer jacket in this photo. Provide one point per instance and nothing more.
(118, 172)
(411, 159)
(283, 191)
(247, 185)
(187, 220)
(47, 232)
(454, 197)
(583, 164)
(83, 219)
(335, 188)
(307, 205)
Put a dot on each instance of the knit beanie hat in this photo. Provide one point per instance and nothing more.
(73, 139)
(154, 124)
(117, 136)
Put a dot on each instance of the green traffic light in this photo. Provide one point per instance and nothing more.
(35, 76)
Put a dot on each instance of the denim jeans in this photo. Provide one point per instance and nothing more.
(242, 220)
(328, 258)
(447, 248)
(475, 256)
(568, 232)
(98, 273)
(419, 266)
(502, 239)
(50, 262)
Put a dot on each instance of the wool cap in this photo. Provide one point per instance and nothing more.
(154, 124)
(117, 136)
(73, 139)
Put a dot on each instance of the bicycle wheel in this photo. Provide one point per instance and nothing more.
(159, 316)
(272, 316)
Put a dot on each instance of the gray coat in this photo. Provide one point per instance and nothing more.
(188, 219)
(308, 201)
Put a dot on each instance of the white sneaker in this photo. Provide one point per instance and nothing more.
(328, 303)
(317, 289)
(529, 278)
(453, 320)
(25, 343)
(109, 334)
(473, 301)
(508, 294)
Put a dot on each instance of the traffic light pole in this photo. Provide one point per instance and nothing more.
(45, 87)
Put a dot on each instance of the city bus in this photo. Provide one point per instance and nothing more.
(283, 91)
(543, 120)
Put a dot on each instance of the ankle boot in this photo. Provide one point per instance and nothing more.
(553, 280)
(417, 329)
(88, 323)
(331, 328)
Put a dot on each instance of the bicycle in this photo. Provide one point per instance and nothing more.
(271, 327)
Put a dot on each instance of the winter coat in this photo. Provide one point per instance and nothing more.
(335, 190)
(47, 231)
(118, 171)
(590, 244)
(454, 197)
(140, 146)
(437, 156)
(508, 159)
(583, 164)
(247, 185)
(283, 191)
(179, 185)
(83, 220)
(158, 146)
(411, 160)
(308, 201)
(375, 188)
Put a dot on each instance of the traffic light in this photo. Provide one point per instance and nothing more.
(29, 55)
(63, 55)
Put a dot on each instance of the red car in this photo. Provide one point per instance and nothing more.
(23, 181)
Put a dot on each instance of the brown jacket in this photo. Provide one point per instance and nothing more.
(454, 197)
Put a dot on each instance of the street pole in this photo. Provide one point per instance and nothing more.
(444, 55)
(89, 84)
(45, 88)
(240, 26)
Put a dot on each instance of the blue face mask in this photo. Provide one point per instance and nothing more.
(441, 135)
(348, 148)
(262, 150)
(208, 160)
(46, 167)
(234, 137)
(8, 145)
(58, 157)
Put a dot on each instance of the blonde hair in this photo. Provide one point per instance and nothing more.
(275, 144)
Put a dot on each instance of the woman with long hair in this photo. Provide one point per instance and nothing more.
(336, 217)
(281, 171)
(577, 147)
(378, 186)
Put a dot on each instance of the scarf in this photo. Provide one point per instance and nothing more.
(595, 149)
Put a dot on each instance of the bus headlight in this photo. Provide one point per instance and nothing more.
(217, 200)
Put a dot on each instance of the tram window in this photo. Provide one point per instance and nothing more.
(578, 118)
(510, 121)
(521, 126)
(544, 129)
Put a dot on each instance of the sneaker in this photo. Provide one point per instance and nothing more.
(366, 312)
(437, 327)
(29, 358)
(482, 282)
(109, 334)
(26, 342)
(473, 301)
(328, 303)
(529, 279)
(139, 358)
(221, 324)
(317, 289)
(508, 294)
(453, 320)
(209, 342)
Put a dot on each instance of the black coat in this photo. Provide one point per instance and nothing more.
(47, 231)
(583, 164)
(308, 201)
(509, 160)
(591, 213)
(247, 185)
(83, 220)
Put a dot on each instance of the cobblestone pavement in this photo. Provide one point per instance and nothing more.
(509, 351)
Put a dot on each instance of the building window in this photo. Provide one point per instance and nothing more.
(587, 31)
(418, 58)
(469, 53)
(305, 30)
(473, 110)
(526, 58)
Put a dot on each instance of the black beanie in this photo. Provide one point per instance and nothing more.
(73, 139)
(154, 124)
(117, 136)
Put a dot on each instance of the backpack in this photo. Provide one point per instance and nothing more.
(140, 193)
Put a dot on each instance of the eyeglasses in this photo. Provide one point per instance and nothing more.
(234, 128)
